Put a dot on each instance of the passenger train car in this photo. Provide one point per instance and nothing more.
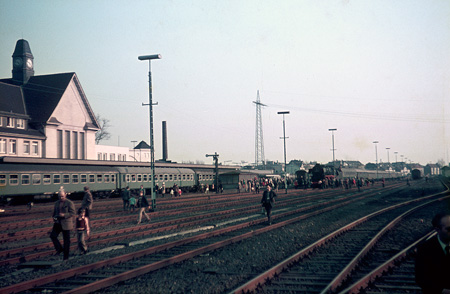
(27, 179)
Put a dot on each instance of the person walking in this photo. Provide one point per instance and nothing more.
(126, 198)
(132, 202)
(63, 213)
(267, 199)
(83, 231)
(86, 204)
(432, 266)
(142, 204)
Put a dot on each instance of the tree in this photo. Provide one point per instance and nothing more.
(103, 133)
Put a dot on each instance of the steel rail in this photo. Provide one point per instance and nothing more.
(251, 285)
(84, 269)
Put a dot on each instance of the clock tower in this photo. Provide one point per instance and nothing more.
(23, 66)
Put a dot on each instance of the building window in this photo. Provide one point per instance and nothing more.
(105, 156)
(2, 145)
(10, 122)
(75, 145)
(26, 147)
(99, 156)
(20, 123)
(35, 148)
(67, 145)
(12, 146)
(112, 156)
(124, 158)
(119, 157)
(36, 179)
(25, 179)
(59, 144)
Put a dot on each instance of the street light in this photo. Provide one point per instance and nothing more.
(395, 152)
(376, 155)
(284, 139)
(387, 148)
(332, 137)
(150, 107)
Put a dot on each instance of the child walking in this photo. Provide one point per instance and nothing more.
(132, 202)
(83, 231)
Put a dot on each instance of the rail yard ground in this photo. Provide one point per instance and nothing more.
(198, 243)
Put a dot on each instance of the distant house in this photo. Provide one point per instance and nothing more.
(44, 116)
(432, 169)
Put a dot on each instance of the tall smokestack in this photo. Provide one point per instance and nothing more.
(165, 154)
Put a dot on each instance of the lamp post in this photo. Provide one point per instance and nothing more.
(376, 156)
(389, 163)
(332, 140)
(395, 152)
(150, 107)
(284, 139)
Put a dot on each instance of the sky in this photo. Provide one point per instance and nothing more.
(374, 70)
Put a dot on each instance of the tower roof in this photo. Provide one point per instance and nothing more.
(22, 48)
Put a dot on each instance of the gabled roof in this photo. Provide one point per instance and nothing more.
(12, 100)
(41, 95)
(142, 145)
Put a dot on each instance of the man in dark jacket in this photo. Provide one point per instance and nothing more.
(267, 199)
(126, 198)
(63, 213)
(433, 258)
(86, 204)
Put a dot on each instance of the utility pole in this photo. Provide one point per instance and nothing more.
(284, 139)
(215, 157)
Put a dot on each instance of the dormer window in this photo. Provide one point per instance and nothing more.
(20, 123)
(10, 122)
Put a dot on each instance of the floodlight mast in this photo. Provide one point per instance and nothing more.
(150, 106)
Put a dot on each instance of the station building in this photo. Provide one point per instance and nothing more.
(44, 116)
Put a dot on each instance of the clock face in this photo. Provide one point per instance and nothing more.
(29, 63)
(18, 62)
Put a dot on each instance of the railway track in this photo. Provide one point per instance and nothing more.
(348, 254)
(237, 233)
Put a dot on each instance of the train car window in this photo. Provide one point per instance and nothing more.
(144, 177)
(13, 180)
(170, 177)
(84, 179)
(165, 177)
(128, 179)
(161, 178)
(139, 178)
(113, 178)
(91, 178)
(66, 179)
(25, 179)
(75, 179)
(99, 178)
(150, 178)
(2, 180)
(36, 179)
(184, 177)
(133, 178)
(47, 179)
(56, 179)
(106, 178)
